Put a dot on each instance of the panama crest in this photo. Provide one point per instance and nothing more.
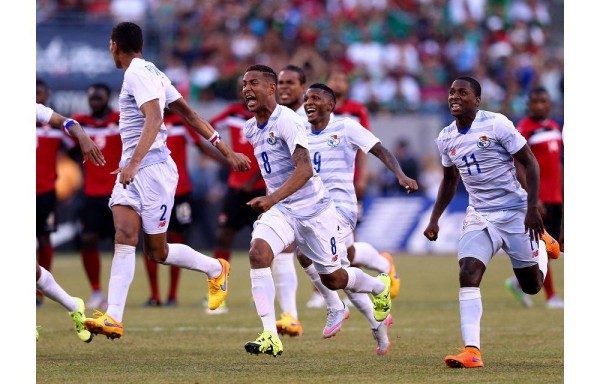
(272, 139)
(333, 141)
(483, 142)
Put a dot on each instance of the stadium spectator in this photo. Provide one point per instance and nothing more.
(102, 124)
(333, 145)
(297, 203)
(179, 135)
(478, 147)
(543, 134)
(49, 141)
(44, 281)
(143, 195)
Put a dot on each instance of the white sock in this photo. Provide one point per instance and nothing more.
(543, 259)
(121, 276)
(184, 256)
(286, 282)
(50, 288)
(471, 310)
(263, 293)
(359, 281)
(364, 304)
(332, 299)
(366, 255)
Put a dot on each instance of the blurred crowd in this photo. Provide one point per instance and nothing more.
(401, 54)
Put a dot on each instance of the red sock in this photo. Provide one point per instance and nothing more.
(548, 284)
(45, 253)
(152, 269)
(91, 264)
(220, 254)
(175, 272)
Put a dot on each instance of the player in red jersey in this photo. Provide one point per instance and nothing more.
(49, 142)
(241, 186)
(179, 135)
(96, 217)
(44, 281)
(544, 136)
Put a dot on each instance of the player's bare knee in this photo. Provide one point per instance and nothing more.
(259, 258)
(332, 281)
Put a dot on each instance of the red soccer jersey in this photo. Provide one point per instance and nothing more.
(99, 181)
(178, 137)
(355, 111)
(545, 139)
(234, 117)
(48, 143)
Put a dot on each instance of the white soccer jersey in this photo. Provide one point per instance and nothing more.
(483, 155)
(333, 153)
(43, 113)
(143, 82)
(273, 147)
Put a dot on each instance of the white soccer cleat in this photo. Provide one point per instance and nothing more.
(335, 319)
(381, 336)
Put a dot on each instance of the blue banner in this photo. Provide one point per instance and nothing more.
(71, 57)
(396, 224)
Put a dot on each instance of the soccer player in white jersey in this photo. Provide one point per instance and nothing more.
(333, 144)
(297, 207)
(291, 83)
(144, 191)
(44, 281)
(478, 147)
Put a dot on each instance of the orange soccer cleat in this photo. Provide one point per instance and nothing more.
(552, 246)
(470, 357)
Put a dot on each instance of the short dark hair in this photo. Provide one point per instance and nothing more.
(324, 88)
(101, 86)
(41, 83)
(474, 84)
(128, 37)
(538, 90)
(267, 71)
(298, 70)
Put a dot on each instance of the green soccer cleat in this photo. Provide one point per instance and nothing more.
(37, 332)
(382, 303)
(266, 343)
(78, 315)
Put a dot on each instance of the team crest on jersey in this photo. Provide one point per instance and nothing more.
(333, 141)
(272, 139)
(483, 142)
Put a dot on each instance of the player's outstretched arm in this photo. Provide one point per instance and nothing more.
(390, 161)
(238, 161)
(533, 219)
(89, 149)
(445, 195)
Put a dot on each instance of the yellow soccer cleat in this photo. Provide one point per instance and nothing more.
(103, 324)
(78, 316)
(382, 303)
(288, 325)
(552, 246)
(266, 343)
(218, 286)
(395, 283)
(37, 332)
(470, 357)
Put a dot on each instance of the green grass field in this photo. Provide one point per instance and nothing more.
(185, 345)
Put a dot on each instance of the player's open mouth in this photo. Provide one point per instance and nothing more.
(310, 112)
(284, 96)
(454, 107)
(250, 101)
